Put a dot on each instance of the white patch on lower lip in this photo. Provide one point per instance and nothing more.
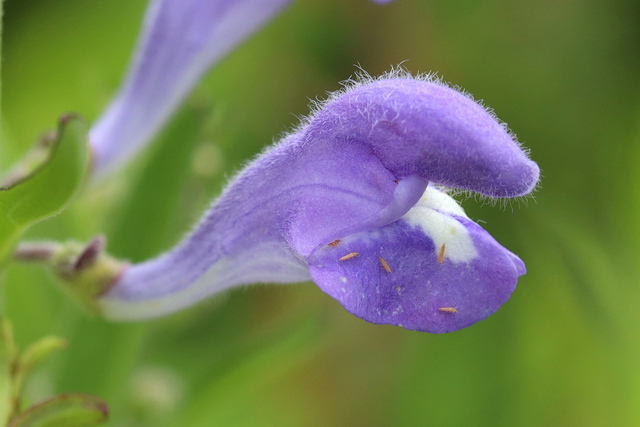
(432, 214)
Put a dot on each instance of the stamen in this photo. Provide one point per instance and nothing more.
(441, 254)
(335, 242)
(448, 310)
(349, 256)
(385, 265)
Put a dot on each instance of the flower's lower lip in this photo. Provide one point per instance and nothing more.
(401, 274)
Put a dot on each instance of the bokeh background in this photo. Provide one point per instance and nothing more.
(564, 351)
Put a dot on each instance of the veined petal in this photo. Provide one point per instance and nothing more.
(359, 164)
(434, 270)
(180, 40)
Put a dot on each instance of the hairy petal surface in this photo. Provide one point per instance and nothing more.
(180, 40)
(434, 270)
(358, 165)
(431, 130)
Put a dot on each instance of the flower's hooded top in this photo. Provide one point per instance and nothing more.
(352, 200)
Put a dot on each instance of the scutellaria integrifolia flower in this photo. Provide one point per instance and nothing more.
(180, 41)
(353, 200)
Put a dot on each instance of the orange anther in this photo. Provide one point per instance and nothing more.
(385, 265)
(441, 254)
(448, 309)
(349, 256)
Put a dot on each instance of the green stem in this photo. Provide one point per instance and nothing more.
(9, 387)
(1, 16)
(35, 252)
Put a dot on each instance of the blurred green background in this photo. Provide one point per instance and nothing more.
(564, 351)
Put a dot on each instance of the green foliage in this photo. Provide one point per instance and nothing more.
(65, 410)
(8, 355)
(34, 355)
(44, 182)
(1, 10)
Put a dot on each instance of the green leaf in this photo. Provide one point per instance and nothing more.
(44, 182)
(231, 399)
(1, 16)
(65, 410)
(7, 358)
(39, 351)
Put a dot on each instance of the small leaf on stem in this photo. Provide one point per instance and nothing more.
(43, 183)
(69, 410)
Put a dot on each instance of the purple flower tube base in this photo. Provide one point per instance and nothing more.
(350, 200)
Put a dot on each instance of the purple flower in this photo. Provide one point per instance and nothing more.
(353, 200)
(180, 40)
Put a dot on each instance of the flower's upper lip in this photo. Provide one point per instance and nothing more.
(430, 130)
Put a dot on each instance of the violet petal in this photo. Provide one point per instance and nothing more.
(359, 164)
(403, 276)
